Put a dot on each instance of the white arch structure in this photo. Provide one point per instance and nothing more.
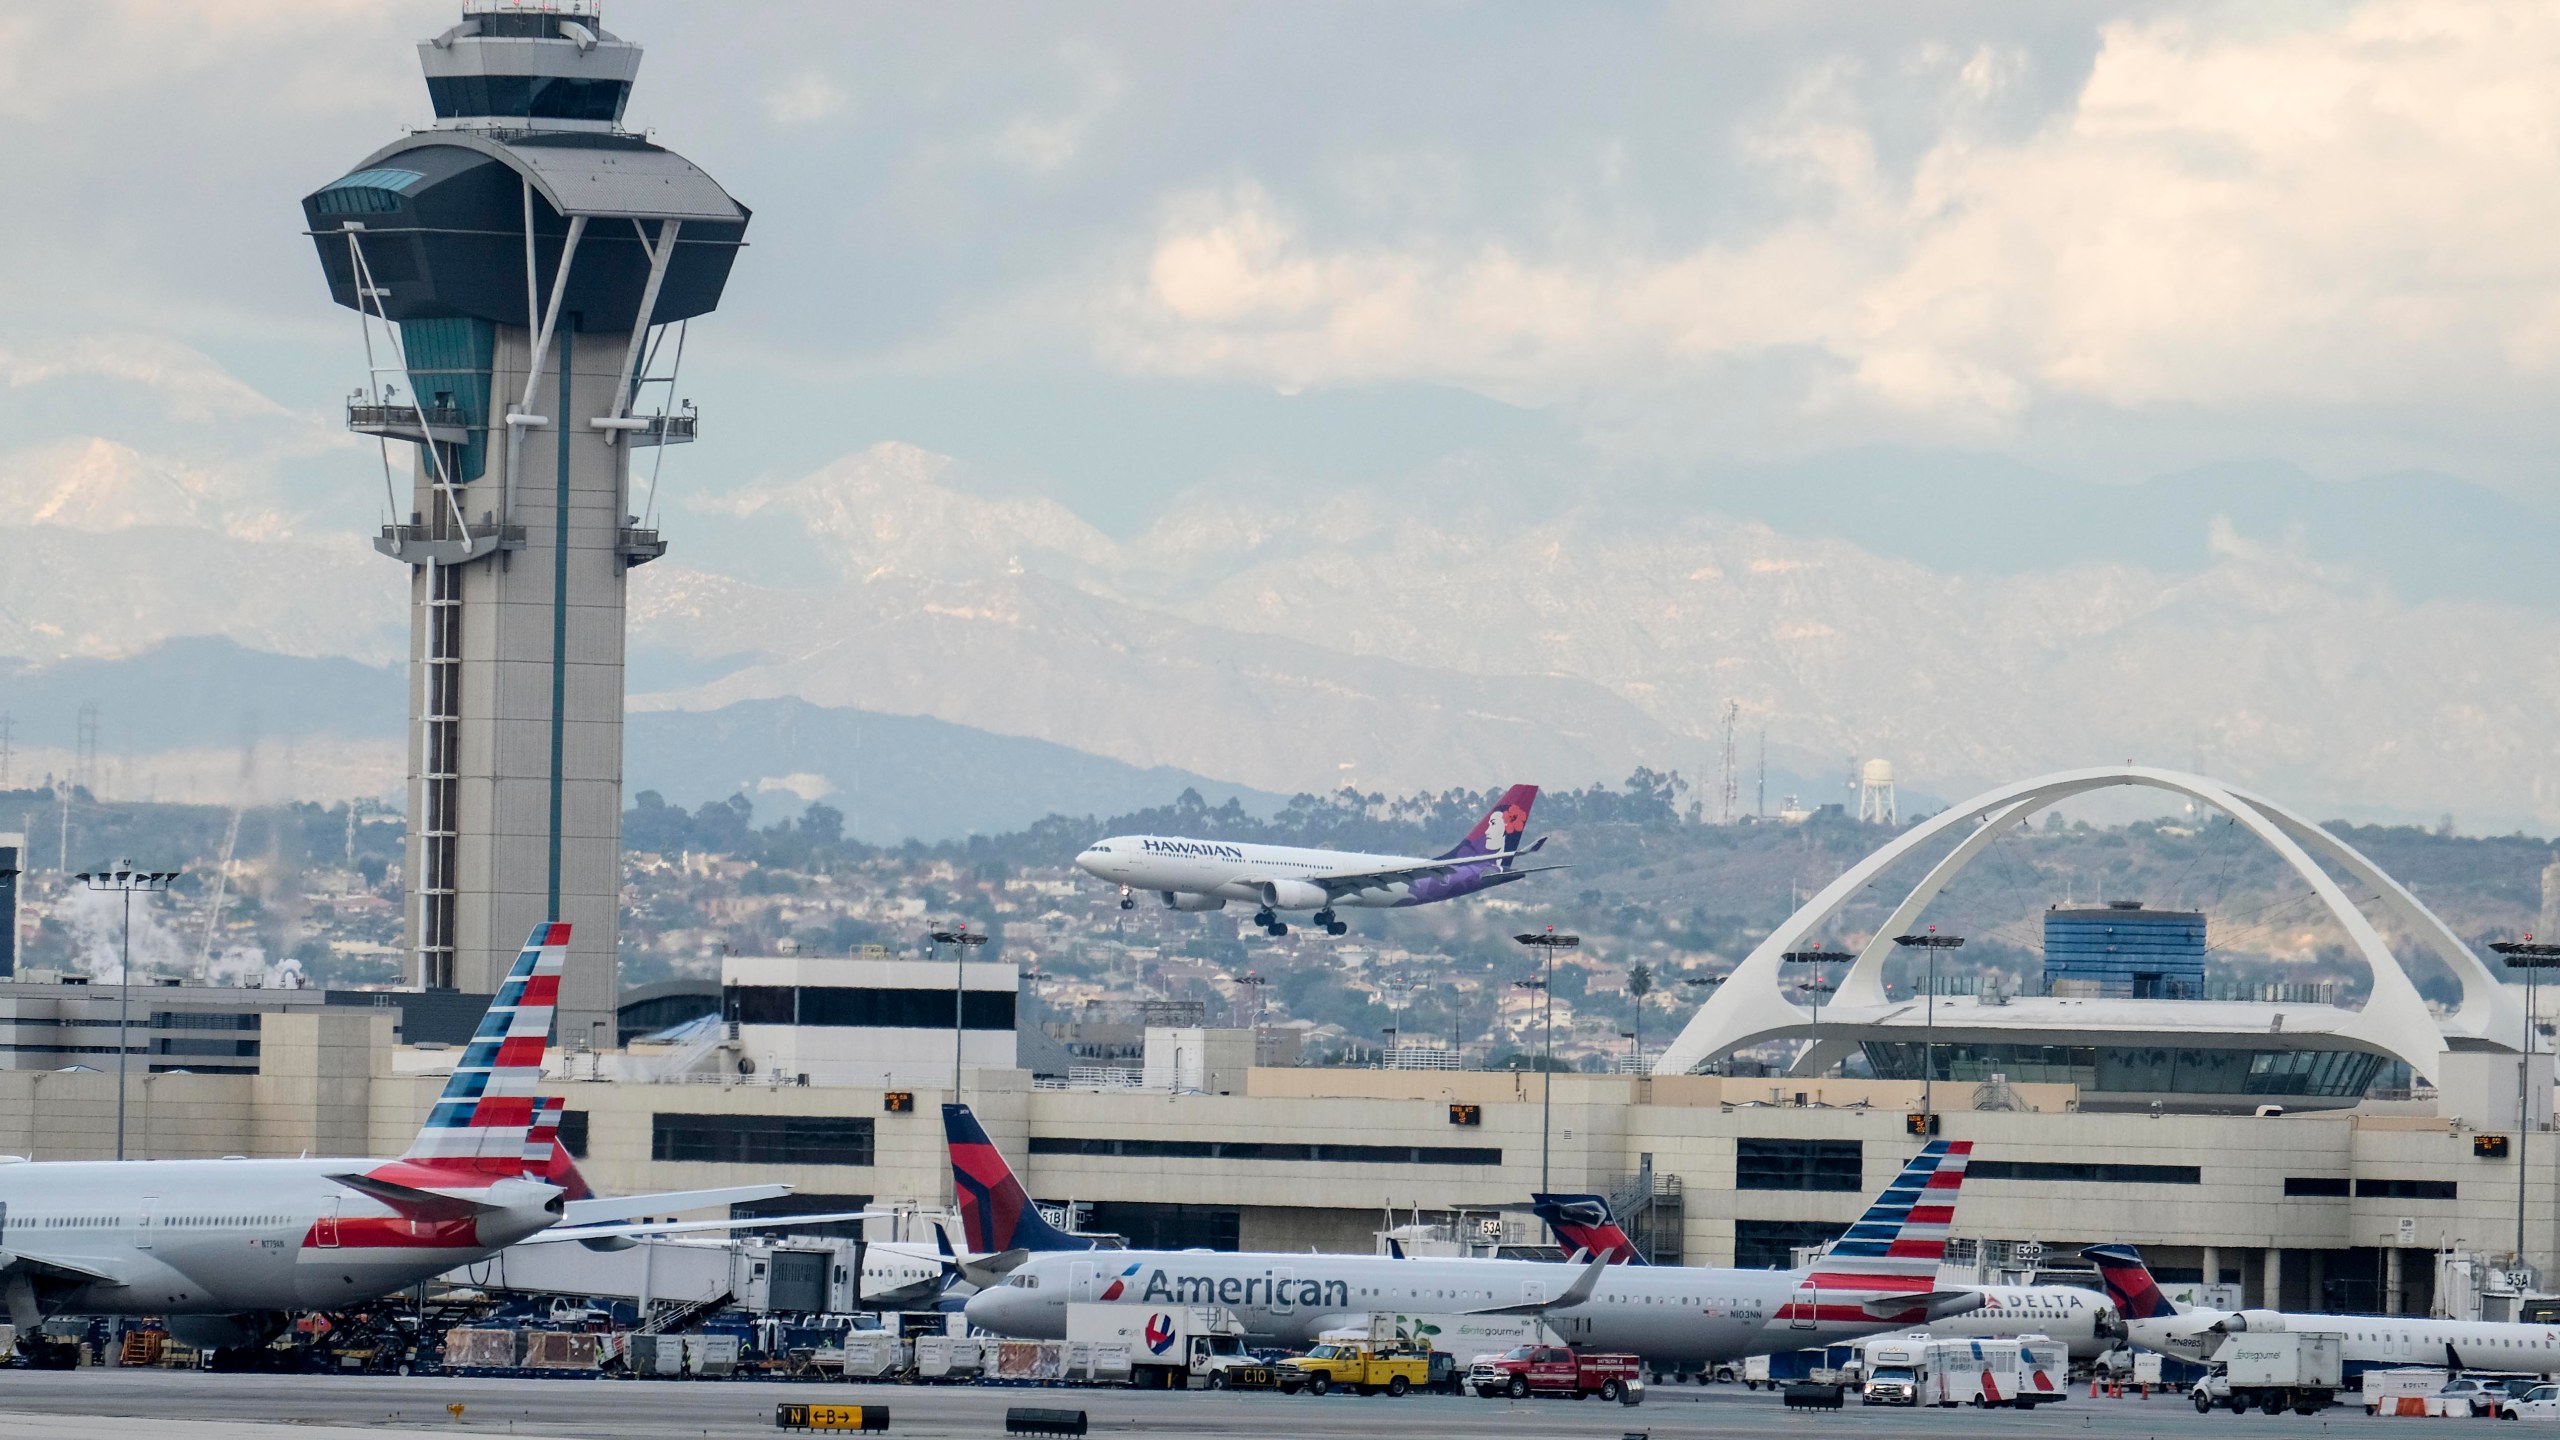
(1751, 1006)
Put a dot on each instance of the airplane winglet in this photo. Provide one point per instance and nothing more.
(988, 1271)
(1574, 1294)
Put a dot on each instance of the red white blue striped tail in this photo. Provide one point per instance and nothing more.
(1893, 1249)
(485, 1122)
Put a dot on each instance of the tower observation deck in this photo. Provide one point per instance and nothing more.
(523, 270)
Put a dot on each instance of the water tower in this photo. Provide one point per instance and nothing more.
(1875, 792)
(523, 269)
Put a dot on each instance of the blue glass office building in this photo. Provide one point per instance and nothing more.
(2126, 952)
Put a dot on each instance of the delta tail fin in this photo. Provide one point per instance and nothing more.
(1501, 831)
(2129, 1282)
(996, 1213)
(483, 1124)
(1584, 1223)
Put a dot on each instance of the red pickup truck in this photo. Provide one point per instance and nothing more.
(1526, 1370)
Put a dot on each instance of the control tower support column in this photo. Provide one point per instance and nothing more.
(521, 269)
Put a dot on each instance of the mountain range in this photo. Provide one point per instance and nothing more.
(1476, 624)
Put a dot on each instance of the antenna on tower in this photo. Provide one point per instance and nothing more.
(1760, 807)
(1732, 782)
(84, 755)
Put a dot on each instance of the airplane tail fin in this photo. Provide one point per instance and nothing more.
(1893, 1251)
(546, 1158)
(996, 1213)
(1584, 1223)
(484, 1121)
(2129, 1282)
(1501, 830)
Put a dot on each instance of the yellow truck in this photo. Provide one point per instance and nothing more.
(1358, 1366)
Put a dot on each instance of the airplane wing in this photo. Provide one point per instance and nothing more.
(625, 1207)
(558, 1233)
(1574, 1294)
(1344, 882)
(412, 1202)
(1935, 1304)
(85, 1269)
(988, 1271)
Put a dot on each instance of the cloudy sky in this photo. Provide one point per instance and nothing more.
(1987, 287)
(1111, 252)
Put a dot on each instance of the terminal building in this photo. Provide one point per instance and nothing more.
(2232, 1140)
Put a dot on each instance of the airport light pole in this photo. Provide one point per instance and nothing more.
(1547, 942)
(125, 882)
(1930, 944)
(960, 939)
(2532, 958)
(1257, 980)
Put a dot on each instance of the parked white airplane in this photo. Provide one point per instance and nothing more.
(2192, 1332)
(1882, 1278)
(2084, 1321)
(1206, 874)
(226, 1248)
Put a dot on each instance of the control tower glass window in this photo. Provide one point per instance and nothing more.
(526, 97)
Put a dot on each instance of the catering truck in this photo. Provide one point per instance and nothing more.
(1170, 1348)
(2297, 1370)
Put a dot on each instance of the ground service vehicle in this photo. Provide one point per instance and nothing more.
(2024, 1372)
(1356, 1365)
(1526, 1370)
(1169, 1349)
(2295, 1370)
(2383, 1389)
(1896, 1366)
(2542, 1402)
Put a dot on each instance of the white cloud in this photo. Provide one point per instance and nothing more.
(1047, 141)
(805, 99)
(2350, 209)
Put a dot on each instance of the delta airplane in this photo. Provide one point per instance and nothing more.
(1206, 874)
(226, 1248)
(2193, 1332)
(2083, 1320)
(1881, 1277)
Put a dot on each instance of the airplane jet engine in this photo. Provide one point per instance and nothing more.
(1293, 895)
(228, 1332)
(1186, 900)
(2254, 1322)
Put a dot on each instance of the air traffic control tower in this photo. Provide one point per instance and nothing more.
(523, 270)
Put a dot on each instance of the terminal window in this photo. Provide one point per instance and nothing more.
(2405, 1190)
(1268, 1150)
(761, 1139)
(1154, 1225)
(1797, 1165)
(573, 1133)
(803, 1203)
(2333, 1187)
(1772, 1244)
(2086, 1173)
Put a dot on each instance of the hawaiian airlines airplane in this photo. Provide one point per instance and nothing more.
(1206, 874)
(1882, 1278)
(226, 1248)
(2084, 1321)
(2192, 1332)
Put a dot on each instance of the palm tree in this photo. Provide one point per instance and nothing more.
(1639, 985)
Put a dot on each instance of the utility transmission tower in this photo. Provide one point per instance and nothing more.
(1732, 781)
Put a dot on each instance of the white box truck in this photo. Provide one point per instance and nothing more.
(2297, 1370)
(1167, 1348)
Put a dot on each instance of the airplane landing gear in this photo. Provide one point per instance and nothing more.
(1265, 919)
(1331, 926)
(1276, 929)
(1127, 901)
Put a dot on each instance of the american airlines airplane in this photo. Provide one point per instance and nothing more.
(1206, 874)
(227, 1248)
(1881, 1277)
(2084, 1321)
(2195, 1333)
